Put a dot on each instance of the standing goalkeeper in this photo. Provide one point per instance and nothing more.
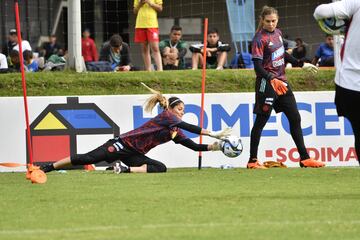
(272, 89)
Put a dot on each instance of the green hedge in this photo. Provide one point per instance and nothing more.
(186, 81)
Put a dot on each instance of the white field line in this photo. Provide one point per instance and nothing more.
(175, 225)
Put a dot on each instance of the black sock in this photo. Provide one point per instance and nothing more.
(48, 167)
(125, 169)
(252, 160)
(294, 119)
(256, 130)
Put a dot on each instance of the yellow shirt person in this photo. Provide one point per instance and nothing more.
(147, 30)
(146, 16)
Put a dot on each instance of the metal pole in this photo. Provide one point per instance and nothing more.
(75, 60)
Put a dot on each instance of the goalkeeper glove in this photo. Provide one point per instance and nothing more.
(310, 68)
(220, 134)
(216, 146)
(278, 86)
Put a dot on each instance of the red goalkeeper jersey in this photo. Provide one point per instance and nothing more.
(269, 47)
(156, 131)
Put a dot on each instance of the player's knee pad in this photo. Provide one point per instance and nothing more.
(82, 159)
(160, 167)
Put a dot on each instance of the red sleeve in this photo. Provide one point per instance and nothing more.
(258, 46)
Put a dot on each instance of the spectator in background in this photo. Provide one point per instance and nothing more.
(147, 30)
(51, 47)
(56, 62)
(242, 60)
(89, 51)
(14, 65)
(216, 52)
(25, 44)
(299, 52)
(325, 53)
(117, 53)
(289, 44)
(31, 65)
(11, 43)
(3, 63)
(173, 50)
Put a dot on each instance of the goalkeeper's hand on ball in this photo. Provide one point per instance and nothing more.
(221, 134)
(216, 146)
(310, 68)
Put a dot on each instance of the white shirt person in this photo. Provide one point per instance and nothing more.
(348, 75)
(347, 79)
(3, 61)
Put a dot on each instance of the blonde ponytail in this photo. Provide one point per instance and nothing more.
(266, 10)
(157, 97)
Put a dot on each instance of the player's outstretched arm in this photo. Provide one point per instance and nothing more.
(201, 147)
(216, 146)
(219, 134)
(197, 130)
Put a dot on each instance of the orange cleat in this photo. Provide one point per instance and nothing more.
(311, 163)
(255, 165)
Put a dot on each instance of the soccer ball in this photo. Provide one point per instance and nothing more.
(231, 146)
(332, 26)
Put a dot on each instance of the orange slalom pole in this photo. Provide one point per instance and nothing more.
(203, 81)
(18, 30)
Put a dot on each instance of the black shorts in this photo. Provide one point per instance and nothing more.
(211, 62)
(266, 99)
(111, 151)
(347, 103)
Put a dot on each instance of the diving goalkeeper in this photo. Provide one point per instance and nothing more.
(132, 146)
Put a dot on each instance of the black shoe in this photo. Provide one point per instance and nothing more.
(47, 167)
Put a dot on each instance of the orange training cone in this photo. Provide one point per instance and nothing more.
(33, 172)
(30, 169)
(38, 176)
(89, 167)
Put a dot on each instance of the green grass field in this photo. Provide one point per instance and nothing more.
(183, 204)
(210, 204)
(185, 81)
